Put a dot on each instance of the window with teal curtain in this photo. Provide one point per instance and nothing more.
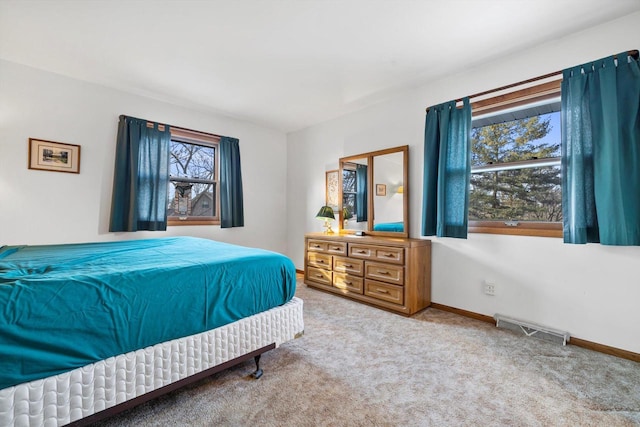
(447, 170)
(231, 201)
(141, 176)
(361, 193)
(601, 152)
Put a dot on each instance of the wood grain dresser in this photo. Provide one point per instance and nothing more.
(390, 273)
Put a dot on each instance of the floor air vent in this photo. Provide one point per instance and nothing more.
(531, 329)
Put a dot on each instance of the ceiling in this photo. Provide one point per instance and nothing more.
(285, 64)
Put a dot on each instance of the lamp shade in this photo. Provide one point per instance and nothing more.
(326, 212)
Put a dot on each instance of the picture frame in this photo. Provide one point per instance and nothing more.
(381, 190)
(332, 183)
(53, 156)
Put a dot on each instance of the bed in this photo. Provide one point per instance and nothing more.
(91, 329)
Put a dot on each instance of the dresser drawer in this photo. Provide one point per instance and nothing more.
(320, 276)
(317, 245)
(337, 248)
(346, 281)
(384, 291)
(386, 272)
(388, 254)
(377, 253)
(334, 248)
(348, 265)
(320, 260)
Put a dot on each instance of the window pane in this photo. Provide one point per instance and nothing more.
(349, 202)
(536, 137)
(348, 181)
(191, 199)
(191, 160)
(532, 194)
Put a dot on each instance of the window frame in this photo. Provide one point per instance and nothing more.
(509, 100)
(351, 167)
(206, 140)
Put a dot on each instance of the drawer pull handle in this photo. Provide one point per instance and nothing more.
(336, 248)
(386, 273)
(382, 291)
(319, 276)
(348, 266)
(320, 261)
(348, 283)
(316, 246)
(388, 255)
(362, 252)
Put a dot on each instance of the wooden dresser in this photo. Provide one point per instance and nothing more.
(390, 273)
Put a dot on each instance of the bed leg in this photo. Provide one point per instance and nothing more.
(258, 372)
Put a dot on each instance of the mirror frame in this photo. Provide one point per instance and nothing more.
(404, 149)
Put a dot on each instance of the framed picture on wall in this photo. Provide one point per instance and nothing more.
(381, 190)
(53, 156)
(332, 183)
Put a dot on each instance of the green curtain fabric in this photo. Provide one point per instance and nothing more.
(601, 152)
(362, 192)
(141, 176)
(231, 200)
(447, 170)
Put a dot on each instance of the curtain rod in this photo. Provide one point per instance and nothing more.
(633, 53)
(174, 127)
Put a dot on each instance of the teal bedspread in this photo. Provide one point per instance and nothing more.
(65, 306)
(389, 226)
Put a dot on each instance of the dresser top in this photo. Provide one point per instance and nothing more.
(367, 239)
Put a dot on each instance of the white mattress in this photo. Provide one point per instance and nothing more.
(67, 397)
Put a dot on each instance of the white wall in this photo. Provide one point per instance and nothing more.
(592, 291)
(39, 207)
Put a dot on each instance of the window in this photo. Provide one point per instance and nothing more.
(349, 189)
(193, 191)
(515, 165)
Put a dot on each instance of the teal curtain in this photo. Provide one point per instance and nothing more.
(361, 193)
(141, 176)
(601, 152)
(447, 170)
(231, 201)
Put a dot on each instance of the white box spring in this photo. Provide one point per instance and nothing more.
(67, 397)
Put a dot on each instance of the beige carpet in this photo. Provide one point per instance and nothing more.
(360, 366)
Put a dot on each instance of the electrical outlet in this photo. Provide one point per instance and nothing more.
(489, 288)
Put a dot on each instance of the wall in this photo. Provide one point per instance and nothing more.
(591, 291)
(39, 207)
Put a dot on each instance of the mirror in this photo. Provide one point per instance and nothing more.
(374, 192)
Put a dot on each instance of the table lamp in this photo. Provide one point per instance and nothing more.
(326, 214)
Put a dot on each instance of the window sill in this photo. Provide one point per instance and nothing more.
(179, 222)
(537, 229)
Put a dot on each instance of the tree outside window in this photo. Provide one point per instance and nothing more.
(516, 170)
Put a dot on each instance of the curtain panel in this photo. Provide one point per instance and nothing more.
(362, 191)
(141, 176)
(447, 170)
(601, 152)
(231, 200)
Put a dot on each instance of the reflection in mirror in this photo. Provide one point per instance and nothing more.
(388, 214)
(355, 205)
(374, 192)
